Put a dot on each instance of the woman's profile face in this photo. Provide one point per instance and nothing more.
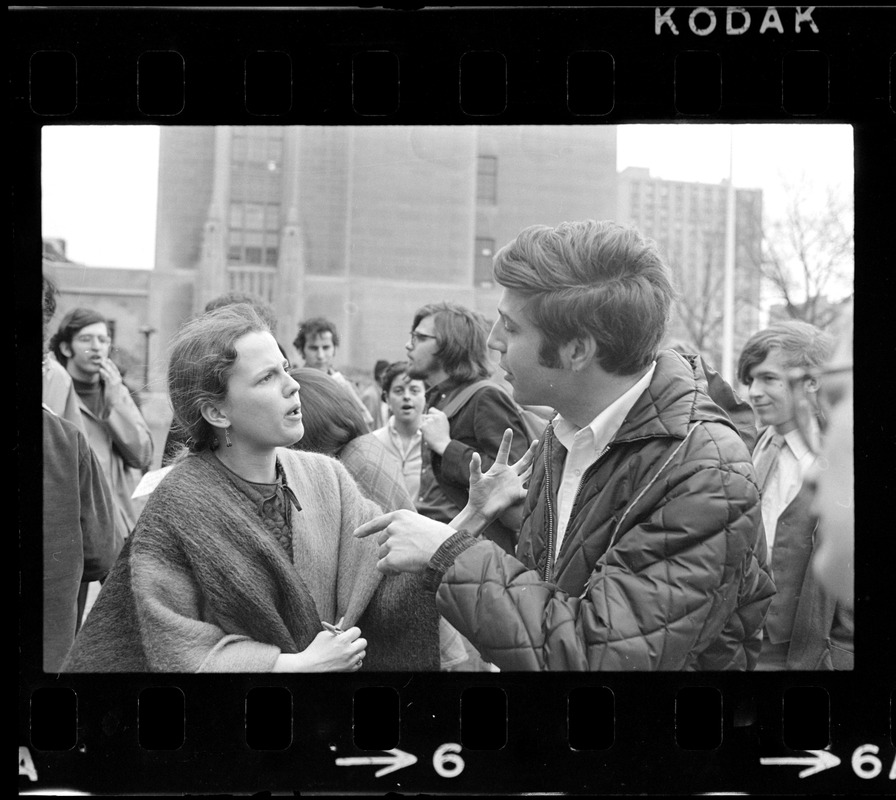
(262, 404)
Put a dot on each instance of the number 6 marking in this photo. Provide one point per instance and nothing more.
(865, 762)
(446, 760)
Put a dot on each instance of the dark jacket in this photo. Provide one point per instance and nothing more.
(803, 613)
(80, 537)
(661, 567)
(477, 427)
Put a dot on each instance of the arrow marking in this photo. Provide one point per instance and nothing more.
(397, 759)
(818, 762)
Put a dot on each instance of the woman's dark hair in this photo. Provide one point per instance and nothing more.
(71, 323)
(49, 305)
(203, 353)
(395, 370)
(265, 310)
(332, 418)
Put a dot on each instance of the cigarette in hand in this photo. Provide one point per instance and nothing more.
(334, 629)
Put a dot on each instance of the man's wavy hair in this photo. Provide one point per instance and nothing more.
(601, 278)
(203, 352)
(69, 325)
(801, 345)
(314, 327)
(461, 340)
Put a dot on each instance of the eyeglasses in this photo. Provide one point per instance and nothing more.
(416, 338)
(86, 338)
(812, 408)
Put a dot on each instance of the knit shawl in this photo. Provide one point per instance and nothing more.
(199, 524)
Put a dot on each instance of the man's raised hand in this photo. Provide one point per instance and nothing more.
(502, 485)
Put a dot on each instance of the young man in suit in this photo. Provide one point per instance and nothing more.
(806, 628)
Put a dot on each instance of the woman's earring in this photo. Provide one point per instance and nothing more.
(227, 437)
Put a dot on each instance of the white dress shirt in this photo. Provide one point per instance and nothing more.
(784, 479)
(585, 445)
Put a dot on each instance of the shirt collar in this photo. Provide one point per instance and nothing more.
(606, 424)
(795, 442)
(434, 393)
(393, 430)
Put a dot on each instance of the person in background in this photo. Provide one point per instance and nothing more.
(401, 436)
(244, 550)
(804, 628)
(317, 341)
(175, 440)
(833, 475)
(372, 396)
(115, 427)
(58, 392)
(80, 538)
(334, 427)
(639, 547)
(447, 350)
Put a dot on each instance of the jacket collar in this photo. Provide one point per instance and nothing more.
(676, 397)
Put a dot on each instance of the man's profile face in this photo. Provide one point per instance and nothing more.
(518, 341)
(769, 393)
(422, 347)
(319, 351)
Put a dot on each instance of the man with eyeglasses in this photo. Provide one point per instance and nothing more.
(465, 414)
(447, 350)
(115, 427)
(805, 627)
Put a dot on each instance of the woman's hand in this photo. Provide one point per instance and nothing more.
(329, 652)
(503, 485)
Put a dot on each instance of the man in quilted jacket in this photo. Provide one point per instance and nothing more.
(639, 545)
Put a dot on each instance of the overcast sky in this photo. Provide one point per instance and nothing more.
(99, 183)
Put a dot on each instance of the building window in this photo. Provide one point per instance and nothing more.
(482, 262)
(255, 189)
(487, 179)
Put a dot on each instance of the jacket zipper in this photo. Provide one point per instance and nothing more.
(548, 508)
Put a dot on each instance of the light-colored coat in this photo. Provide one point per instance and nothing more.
(123, 446)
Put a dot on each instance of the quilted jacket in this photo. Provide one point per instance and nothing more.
(662, 566)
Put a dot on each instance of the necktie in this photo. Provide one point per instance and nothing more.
(767, 460)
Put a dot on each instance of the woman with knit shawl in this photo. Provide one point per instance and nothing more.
(245, 551)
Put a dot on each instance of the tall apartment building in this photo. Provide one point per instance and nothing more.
(361, 224)
(687, 221)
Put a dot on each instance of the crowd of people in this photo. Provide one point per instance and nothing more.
(622, 508)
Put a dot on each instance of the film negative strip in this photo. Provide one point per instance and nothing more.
(462, 733)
